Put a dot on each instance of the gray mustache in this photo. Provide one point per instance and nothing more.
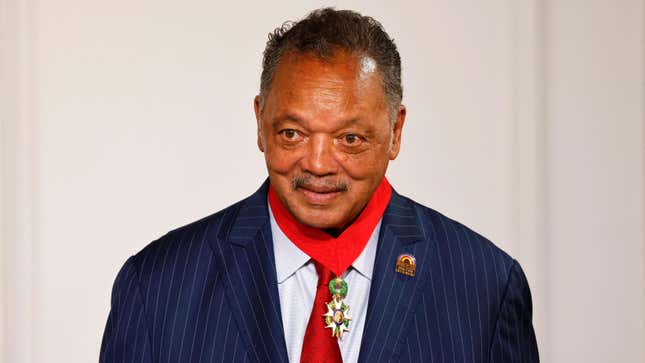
(309, 181)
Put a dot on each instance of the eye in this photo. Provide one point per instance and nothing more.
(290, 134)
(351, 139)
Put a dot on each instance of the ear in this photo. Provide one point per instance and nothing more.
(258, 119)
(397, 129)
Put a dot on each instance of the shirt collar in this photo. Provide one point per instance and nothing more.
(364, 263)
(289, 258)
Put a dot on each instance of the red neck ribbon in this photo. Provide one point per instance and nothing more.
(337, 254)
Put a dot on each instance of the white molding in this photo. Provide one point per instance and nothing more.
(17, 114)
(531, 247)
(642, 231)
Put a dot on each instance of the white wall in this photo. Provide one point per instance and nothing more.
(120, 120)
(595, 157)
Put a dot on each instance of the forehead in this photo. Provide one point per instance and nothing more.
(342, 85)
(340, 71)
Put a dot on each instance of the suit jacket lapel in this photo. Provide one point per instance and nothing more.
(249, 278)
(244, 248)
(393, 296)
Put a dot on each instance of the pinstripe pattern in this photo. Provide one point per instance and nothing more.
(207, 292)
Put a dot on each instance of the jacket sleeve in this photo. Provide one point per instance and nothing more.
(514, 338)
(126, 337)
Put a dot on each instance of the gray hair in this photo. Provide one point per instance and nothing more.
(327, 30)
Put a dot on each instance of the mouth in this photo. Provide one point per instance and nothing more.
(319, 196)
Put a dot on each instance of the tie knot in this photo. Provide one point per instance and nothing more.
(324, 274)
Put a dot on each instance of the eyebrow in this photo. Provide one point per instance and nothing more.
(287, 117)
(299, 120)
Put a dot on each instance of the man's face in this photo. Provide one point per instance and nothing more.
(326, 135)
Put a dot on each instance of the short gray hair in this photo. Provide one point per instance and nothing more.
(327, 30)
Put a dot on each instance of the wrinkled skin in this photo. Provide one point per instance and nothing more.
(327, 137)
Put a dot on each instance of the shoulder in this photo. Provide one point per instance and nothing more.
(186, 250)
(481, 287)
(179, 240)
(458, 244)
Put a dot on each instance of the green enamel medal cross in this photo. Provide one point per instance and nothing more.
(337, 317)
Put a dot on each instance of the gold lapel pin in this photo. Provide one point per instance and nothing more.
(406, 265)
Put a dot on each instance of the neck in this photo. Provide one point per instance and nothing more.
(334, 232)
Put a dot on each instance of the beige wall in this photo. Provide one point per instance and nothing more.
(120, 120)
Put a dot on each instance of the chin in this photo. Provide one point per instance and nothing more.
(318, 219)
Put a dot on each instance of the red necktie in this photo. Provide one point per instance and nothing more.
(319, 346)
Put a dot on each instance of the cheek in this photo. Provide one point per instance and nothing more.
(282, 161)
(365, 165)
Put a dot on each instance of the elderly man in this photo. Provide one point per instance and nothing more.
(325, 262)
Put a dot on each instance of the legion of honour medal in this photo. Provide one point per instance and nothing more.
(337, 317)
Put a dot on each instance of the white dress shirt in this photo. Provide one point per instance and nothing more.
(297, 280)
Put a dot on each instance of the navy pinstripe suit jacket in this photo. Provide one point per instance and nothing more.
(207, 292)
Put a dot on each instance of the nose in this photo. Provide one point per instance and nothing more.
(320, 159)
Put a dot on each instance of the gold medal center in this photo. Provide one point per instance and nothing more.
(338, 317)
